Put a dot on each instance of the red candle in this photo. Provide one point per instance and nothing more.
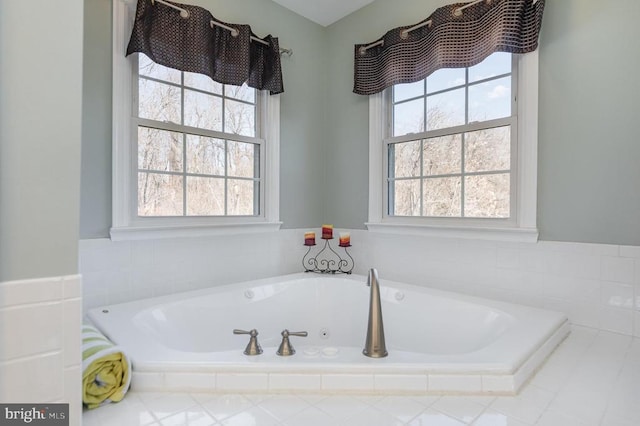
(309, 238)
(327, 232)
(345, 239)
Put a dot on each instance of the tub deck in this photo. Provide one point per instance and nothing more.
(483, 347)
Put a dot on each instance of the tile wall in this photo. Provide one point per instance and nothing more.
(129, 270)
(40, 355)
(596, 285)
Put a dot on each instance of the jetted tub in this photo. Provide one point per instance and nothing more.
(438, 342)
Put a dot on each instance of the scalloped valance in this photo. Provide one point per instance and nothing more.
(189, 38)
(454, 36)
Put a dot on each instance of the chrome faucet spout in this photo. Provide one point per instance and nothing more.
(375, 346)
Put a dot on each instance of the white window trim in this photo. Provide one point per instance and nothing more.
(125, 226)
(524, 229)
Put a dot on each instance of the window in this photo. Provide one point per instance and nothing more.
(191, 156)
(457, 162)
(458, 151)
(198, 151)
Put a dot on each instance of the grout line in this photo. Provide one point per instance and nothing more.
(33, 357)
(27, 305)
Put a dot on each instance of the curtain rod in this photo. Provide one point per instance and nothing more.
(458, 11)
(234, 32)
(404, 34)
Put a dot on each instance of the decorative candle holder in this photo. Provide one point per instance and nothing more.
(344, 240)
(327, 260)
(310, 238)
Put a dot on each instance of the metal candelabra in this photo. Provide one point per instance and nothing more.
(327, 260)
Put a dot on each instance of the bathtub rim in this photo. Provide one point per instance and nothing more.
(509, 357)
(507, 380)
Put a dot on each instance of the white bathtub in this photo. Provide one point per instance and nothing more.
(438, 342)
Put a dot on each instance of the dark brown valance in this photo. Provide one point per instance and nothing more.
(189, 41)
(454, 36)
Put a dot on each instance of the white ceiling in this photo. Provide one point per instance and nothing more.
(323, 12)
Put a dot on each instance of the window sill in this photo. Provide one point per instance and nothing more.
(528, 235)
(150, 233)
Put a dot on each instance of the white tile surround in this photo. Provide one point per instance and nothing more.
(130, 270)
(229, 378)
(40, 354)
(592, 379)
(596, 285)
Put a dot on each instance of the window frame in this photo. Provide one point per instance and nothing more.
(521, 226)
(126, 224)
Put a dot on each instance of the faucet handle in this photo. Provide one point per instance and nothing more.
(285, 348)
(253, 347)
(296, 333)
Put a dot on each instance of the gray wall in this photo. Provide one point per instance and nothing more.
(303, 107)
(588, 149)
(40, 134)
(589, 153)
(95, 200)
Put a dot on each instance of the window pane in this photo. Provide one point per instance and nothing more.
(149, 68)
(159, 150)
(202, 82)
(445, 78)
(242, 159)
(158, 101)
(408, 91)
(442, 197)
(405, 159)
(205, 196)
(442, 155)
(446, 109)
(495, 64)
(243, 93)
(490, 100)
(240, 193)
(205, 155)
(487, 196)
(159, 195)
(408, 117)
(202, 110)
(406, 197)
(239, 118)
(488, 150)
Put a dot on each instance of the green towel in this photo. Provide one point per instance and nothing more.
(106, 371)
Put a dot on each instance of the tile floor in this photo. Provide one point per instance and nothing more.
(593, 378)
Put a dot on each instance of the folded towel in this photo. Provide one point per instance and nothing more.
(106, 371)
